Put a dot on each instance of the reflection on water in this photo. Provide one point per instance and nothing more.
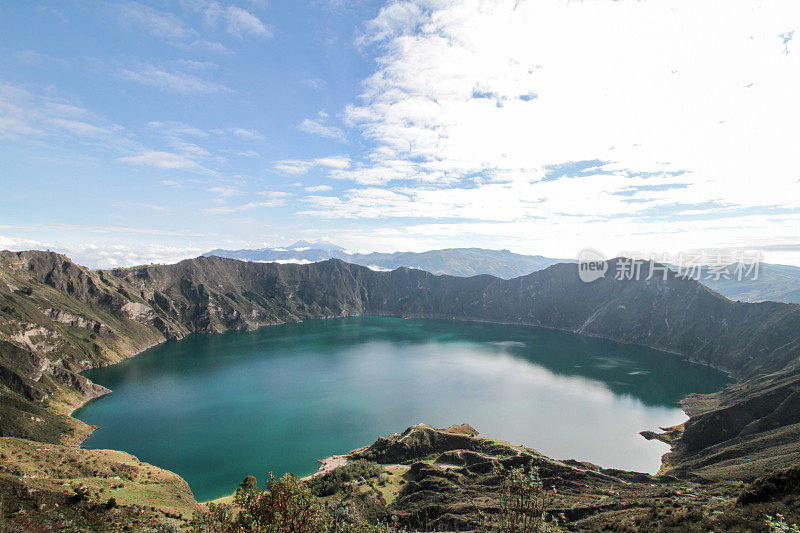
(214, 408)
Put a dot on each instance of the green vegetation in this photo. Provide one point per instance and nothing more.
(777, 524)
(525, 503)
(285, 505)
(37, 422)
(289, 505)
(54, 487)
(334, 481)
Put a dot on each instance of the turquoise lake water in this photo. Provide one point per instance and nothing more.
(215, 408)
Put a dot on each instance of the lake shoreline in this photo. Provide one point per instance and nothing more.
(482, 336)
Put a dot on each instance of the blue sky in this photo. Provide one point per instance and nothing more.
(151, 131)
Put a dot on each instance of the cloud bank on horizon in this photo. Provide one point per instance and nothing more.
(541, 127)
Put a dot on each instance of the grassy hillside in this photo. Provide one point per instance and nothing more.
(47, 487)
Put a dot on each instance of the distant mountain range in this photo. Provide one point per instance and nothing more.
(777, 283)
(453, 261)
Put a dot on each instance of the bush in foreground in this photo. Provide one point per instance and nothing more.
(285, 505)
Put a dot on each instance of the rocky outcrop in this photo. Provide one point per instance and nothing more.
(446, 480)
(421, 441)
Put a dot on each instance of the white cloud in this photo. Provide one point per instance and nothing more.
(157, 23)
(225, 192)
(317, 128)
(457, 93)
(175, 134)
(187, 148)
(274, 199)
(483, 111)
(236, 21)
(106, 255)
(314, 83)
(275, 195)
(296, 167)
(140, 205)
(165, 160)
(319, 188)
(191, 64)
(79, 127)
(293, 167)
(177, 128)
(289, 261)
(15, 127)
(394, 19)
(164, 25)
(338, 162)
(241, 133)
(170, 81)
(24, 114)
(241, 22)
(211, 46)
(34, 57)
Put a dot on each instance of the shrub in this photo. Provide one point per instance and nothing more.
(82, 492)
(285, 505)
(524, 503)
(778, 524)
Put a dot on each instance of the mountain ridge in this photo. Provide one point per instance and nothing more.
(452, 261)
(773, 282)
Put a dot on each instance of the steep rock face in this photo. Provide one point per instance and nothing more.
(209, 294)
(675, 314)
(58, 318)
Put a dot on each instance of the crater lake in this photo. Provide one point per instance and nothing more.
(215, 408)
